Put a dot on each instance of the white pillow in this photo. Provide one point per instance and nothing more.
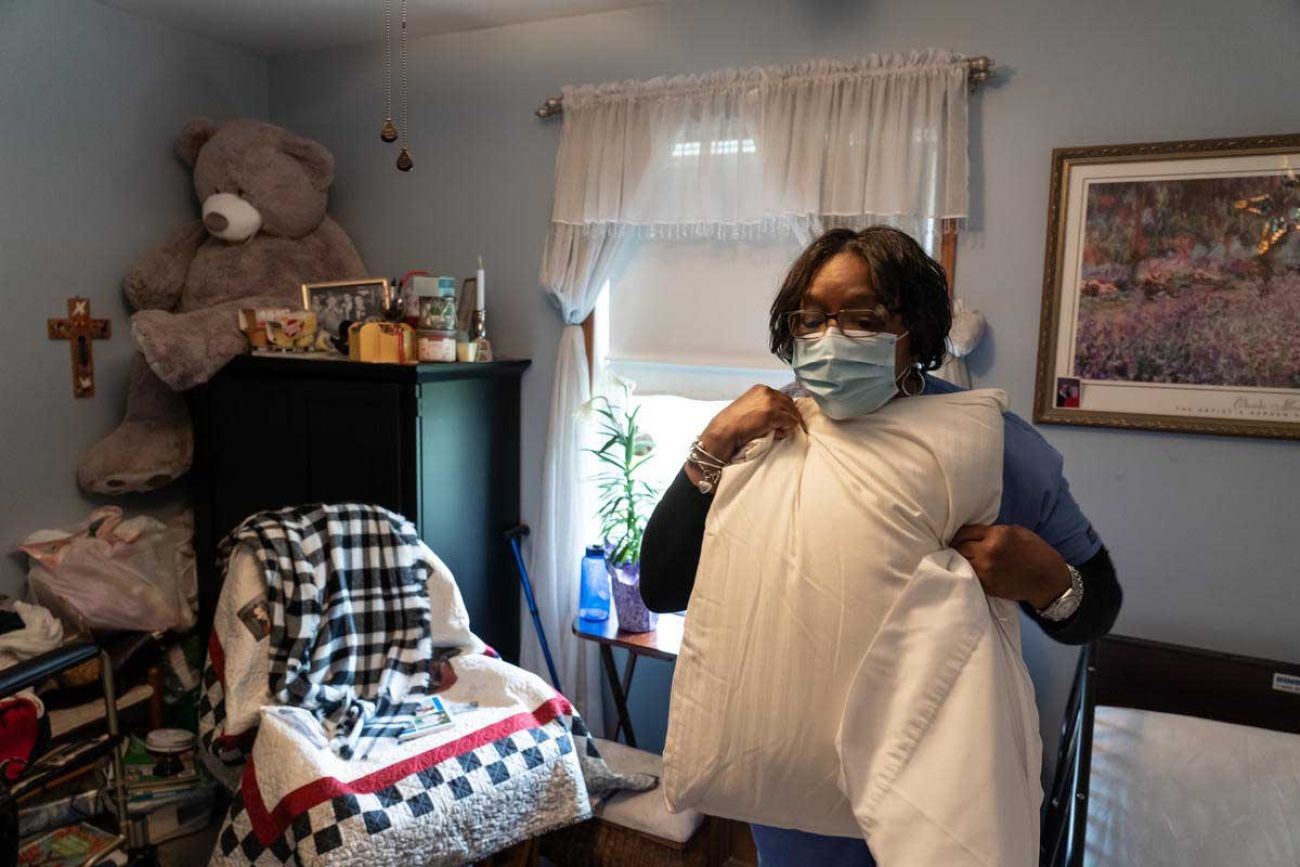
(806, 549)
(643, 811)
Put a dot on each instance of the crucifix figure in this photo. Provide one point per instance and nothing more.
(80, 329)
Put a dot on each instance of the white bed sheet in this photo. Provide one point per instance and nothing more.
(1178, 790)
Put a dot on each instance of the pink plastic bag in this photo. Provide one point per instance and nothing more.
(111, 574)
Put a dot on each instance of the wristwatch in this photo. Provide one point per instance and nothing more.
(1064, 606)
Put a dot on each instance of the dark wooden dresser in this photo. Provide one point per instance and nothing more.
(438, 443)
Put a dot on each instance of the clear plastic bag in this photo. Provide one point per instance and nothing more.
(111, 574)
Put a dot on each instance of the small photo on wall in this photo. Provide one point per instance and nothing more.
(347, 301)
(1067, 392)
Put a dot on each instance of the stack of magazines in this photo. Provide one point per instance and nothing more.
(71, 846)
(174, 804)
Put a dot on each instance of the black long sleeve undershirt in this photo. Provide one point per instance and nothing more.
(670, 555)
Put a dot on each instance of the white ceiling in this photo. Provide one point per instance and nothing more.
(270, 27)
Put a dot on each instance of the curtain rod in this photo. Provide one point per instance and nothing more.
(980, 70)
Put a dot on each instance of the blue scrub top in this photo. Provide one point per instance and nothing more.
(1034, 495)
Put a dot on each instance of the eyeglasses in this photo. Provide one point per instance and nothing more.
(855, 322)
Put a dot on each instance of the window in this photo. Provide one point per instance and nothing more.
(689, 317)
(721, 147)
(687, 321)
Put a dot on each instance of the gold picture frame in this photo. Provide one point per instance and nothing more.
(353, 301)
(1171, 280)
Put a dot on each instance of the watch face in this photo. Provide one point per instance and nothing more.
(1067, 606)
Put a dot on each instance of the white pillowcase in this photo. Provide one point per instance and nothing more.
(810, 548)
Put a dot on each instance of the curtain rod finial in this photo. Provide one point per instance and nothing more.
(551, 107)
(980, 70)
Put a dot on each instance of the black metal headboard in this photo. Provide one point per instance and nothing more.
(1149, 675)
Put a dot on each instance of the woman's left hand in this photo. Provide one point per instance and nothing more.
(1013, 563)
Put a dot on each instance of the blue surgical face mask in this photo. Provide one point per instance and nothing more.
(847, 376)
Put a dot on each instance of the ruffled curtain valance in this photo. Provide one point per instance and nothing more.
(736, 153)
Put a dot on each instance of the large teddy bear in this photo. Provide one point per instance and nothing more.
(264, 232)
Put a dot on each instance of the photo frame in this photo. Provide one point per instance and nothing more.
(341, 301)
(466, 303)
(1171, 288)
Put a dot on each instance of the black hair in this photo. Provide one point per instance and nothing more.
(906, 280)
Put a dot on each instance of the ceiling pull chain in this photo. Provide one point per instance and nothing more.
(404, 161)
(389, 131)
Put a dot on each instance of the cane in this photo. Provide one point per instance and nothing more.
(514, 534)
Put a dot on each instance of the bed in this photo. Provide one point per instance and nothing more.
(1176, 755)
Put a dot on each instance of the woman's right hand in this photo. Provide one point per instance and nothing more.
(753, 415)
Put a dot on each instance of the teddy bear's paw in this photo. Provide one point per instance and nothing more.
(167, 346)
(141, 294)
(154, 336)
(136, 457)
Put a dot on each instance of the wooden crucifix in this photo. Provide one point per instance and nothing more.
(80, 329)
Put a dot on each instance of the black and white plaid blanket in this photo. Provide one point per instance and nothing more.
(350, 624)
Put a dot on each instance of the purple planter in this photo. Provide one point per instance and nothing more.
(633, 616)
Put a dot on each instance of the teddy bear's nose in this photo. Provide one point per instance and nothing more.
(230, 218)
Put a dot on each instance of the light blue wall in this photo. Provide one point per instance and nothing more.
(91, 101)
(1201, 528)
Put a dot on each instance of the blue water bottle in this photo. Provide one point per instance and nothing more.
(593, 601)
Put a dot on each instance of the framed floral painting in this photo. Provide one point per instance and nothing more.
(1171, 294)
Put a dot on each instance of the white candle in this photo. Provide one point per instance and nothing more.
(480, 304)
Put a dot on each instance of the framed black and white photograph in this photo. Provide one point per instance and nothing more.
(346, 301)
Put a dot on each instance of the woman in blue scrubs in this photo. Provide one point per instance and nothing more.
(862, 316)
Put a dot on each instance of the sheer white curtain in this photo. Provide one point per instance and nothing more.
(575, 266)
(735, 154)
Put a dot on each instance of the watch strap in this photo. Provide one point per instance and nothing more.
(1068, 602)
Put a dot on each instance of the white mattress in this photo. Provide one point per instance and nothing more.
(1178, 790)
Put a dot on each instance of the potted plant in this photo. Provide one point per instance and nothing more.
(626, 501)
